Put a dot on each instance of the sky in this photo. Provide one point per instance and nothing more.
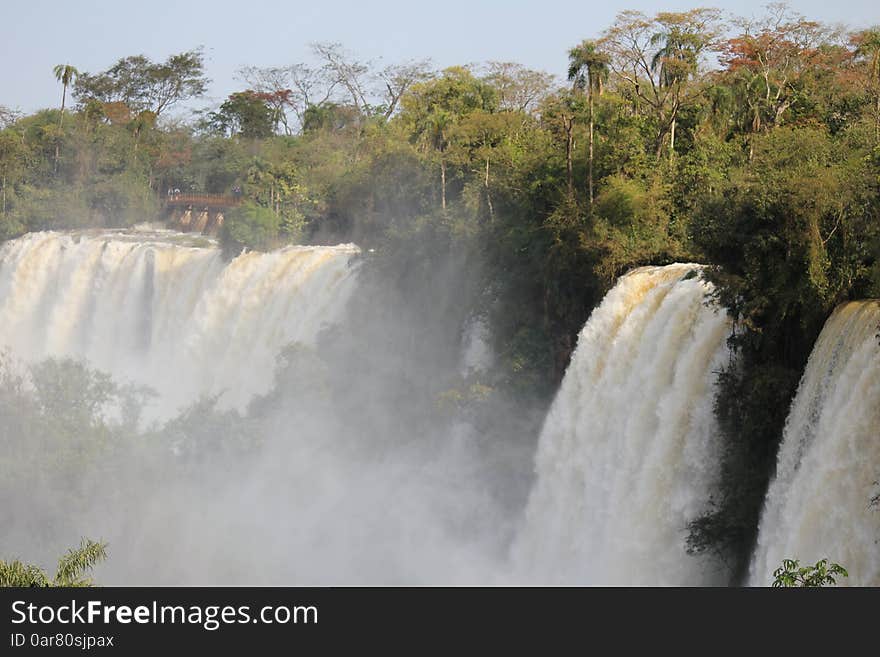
(92, 34)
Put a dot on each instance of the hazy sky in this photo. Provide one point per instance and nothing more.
(92, 34)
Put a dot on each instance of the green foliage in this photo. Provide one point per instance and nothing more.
(792, 574)
(243, 113)
(73, 568)
(252, 226)
(484, 184)
(632, 225)
(790, 234)
(141, 84)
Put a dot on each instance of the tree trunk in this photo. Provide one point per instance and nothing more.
(569, 146)
(443, 183)
(590, 161)
(877, 120)
(672, 140)
(60, 125)
(488, 194)
(4, 196)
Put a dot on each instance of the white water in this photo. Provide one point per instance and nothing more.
(153, 308)
(818, 505)
(629, 452)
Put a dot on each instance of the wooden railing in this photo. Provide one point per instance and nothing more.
(202, 200)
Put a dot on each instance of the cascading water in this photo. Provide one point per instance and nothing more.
(629, 452)
(178, 318)
(819, 504)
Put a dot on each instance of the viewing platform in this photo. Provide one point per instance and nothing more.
(201, 213)
(202, 201)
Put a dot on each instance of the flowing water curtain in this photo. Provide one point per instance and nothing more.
(820, 503)
(177, 318)
(630, 450)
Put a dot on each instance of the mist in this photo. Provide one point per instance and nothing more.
(326, 428)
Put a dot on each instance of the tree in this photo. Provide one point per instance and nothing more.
(144, 85)
(346, 71)
(398, 78)
(296, 88)
(244, 113)
(311, 87)
(519, 89)
(434, 107)
(588, 71)
(792, 574)
(768, 62)
(72, 568)
(8, 116)
(12, 152)
(477, 140)
(273, 86)
(559, 113)
(867, 44)
(65, 74)
(657, 60)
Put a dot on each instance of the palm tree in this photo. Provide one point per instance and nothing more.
(65, 74)
(72, 568)
(674, 62)
(588, 71)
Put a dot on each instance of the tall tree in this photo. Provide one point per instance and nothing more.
(519, 89)
(658, 60)
(588, 71)
(348, 72)
(65, 74)
(398, 78)
(433, 108)
(558, 112)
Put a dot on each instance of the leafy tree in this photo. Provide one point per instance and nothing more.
(588, 71)
(145, 85)
(244, 113)
(329, 117)
(792, 574)
(658, 59)
(12, 159)
(251, 225)
(559, 112)
(433, 108)
(72, 569)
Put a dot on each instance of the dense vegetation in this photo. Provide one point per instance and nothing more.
(752, 146)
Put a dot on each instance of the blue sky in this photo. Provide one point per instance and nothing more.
(92, 34)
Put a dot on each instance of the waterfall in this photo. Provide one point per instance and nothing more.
(819, 503)
(164, 310)
(629, 452)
